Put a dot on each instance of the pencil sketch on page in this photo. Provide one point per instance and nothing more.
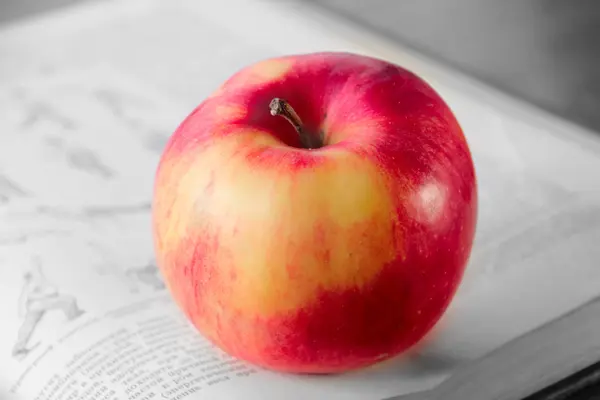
(79, 157)
(38, 298)
(138, 277)
(95, 139)
(34, 111)
(10, 190)
(147, 275)
(123, 107)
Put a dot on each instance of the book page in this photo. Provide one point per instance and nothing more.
(86, 313)
(87, 100)
(549, 359)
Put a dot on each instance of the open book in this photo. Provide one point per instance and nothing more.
(88, 97)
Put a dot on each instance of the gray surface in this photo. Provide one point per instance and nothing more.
(12, 10)
(545, 51)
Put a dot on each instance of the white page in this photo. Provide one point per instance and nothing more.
(87, 226)
(529, 363)
(90, 254)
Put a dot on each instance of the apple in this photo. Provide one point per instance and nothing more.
(315, 214)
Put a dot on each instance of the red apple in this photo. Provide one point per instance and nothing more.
(315, 214)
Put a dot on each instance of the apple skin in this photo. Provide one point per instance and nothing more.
(316, 260)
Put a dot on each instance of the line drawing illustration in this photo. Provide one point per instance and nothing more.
(86, 160)
(10, 190)
(147, 275)
(61, 213)
(24, 237)
(136, 277)
(80, 158)
(38, 297)
(117, 102)
(37, 111)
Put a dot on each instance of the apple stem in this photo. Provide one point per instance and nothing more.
(283, 108)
